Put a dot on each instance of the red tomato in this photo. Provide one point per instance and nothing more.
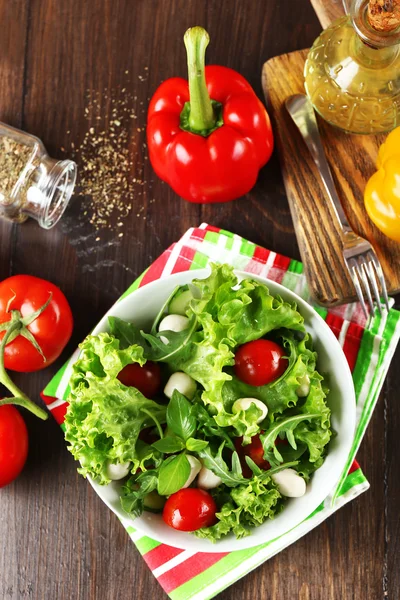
(190, 509)
(51, 329)
(146, 379)
(254, 450)
(13, 444)
(260, 362)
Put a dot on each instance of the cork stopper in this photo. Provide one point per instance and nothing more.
(384, 15)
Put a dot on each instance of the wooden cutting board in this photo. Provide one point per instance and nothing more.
(352, 160)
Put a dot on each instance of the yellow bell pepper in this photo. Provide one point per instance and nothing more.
(382, 193)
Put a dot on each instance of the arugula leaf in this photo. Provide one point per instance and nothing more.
(169, 444)
(218, 466)
(135, 490)
(236, 466)
(178, 342)
(173, 474)
(179, 416)
(273, 470)
(127, 333)
(194, 445)
(283, 425)
(208, 427)
(162, 311)
(252, 465)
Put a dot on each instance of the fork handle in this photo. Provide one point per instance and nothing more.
(302, 113)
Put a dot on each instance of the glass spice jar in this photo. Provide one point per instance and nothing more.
(31, 183)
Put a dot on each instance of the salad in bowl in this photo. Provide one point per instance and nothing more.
(210, 416)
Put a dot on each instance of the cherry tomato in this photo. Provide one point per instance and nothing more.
(254, 450)
(146, 379)
(190, 509)
(260, 362)
(13, 444)
(51, 329)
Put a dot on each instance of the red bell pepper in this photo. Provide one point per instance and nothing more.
(209, 137)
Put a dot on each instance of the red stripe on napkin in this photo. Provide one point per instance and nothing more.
(352, 344)
(352, 341)
(155, 270)
(261, 254)
(160, 555)
(354, 467)
(193, 566)
(184, 259)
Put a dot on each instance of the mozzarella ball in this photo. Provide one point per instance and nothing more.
(172, 323)
(195, 466)
(207, 480)
(289, 483)
(181, 382)
(118, 470)
(304, 386)
(245, 403)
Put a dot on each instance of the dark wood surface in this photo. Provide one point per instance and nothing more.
(58, 541)
(352, 160)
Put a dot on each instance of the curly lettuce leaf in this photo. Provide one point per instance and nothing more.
(103, 356)
(104, 417)
(250, 505)
(246, 310)
(316, 433)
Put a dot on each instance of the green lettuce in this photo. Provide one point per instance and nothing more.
(104, 417)
(250, 505)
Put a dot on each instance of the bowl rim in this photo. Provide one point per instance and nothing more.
(187, 541)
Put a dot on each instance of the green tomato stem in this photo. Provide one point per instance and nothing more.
(19, 398)
(201, 116)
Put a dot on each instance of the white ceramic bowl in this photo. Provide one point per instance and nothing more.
(141, 307)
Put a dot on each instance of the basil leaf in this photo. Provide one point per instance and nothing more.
(127, 333)
(169, 444)
(218, 466)
(173, 474)
(287, 426)
(179, 416)
(195, 445)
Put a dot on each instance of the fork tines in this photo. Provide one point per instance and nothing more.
(363, 270)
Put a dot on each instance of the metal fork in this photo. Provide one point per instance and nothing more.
(359, 255)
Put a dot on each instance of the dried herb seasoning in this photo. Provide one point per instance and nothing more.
(31, 183)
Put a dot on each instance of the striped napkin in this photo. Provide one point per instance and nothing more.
(368, 344)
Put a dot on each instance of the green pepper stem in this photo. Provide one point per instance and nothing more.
(201, 115)
(19, 397)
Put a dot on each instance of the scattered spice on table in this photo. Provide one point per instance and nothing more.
(110, 157)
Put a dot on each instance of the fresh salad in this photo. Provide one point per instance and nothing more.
(213, 418)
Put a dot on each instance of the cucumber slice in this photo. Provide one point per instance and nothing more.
(153, 502)
(180, 303)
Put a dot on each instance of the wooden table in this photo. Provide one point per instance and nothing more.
(58, 540)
